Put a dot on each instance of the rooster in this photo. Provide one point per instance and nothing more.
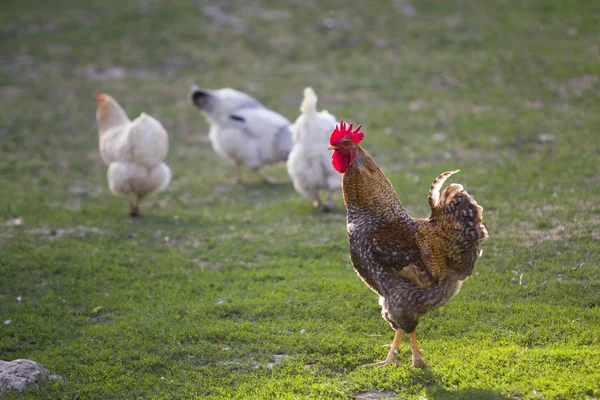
(133, 150)
(308, 164)
(415, 265)
(242, 130)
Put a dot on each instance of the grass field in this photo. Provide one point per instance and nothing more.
(223, 291)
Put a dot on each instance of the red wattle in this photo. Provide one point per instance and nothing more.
(340, 162)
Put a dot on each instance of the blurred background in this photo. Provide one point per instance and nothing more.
(434, 81)
(506, 90)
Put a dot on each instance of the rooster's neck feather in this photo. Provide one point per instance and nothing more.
(366, 186)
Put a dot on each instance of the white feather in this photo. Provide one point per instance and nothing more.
(244, 131)
(133, 150)
(309, 164)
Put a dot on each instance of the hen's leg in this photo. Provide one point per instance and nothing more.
(238, 173)
(134, 209)
(417, 361)
(391, 357)
(311, 194)
(328, 205)
(316, 200)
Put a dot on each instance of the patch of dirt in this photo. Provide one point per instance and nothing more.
(528, 234)
(535, 236)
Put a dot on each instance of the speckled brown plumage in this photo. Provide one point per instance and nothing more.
(415, 265)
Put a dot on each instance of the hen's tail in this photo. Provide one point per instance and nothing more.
(148, 141)
(309, 103)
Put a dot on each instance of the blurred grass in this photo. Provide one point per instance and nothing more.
(245, 291)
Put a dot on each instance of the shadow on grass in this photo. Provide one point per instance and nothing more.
(434, 388)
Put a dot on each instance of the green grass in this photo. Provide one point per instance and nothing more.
(223, 291)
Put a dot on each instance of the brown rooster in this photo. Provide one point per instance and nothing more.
(415, 265)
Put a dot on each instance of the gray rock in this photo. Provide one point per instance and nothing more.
(14, 375)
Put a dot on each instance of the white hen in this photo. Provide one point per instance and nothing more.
(242, 130)
(309, 164)
(133, 150)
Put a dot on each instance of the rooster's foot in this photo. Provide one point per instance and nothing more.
(388, 361)
(419, 363)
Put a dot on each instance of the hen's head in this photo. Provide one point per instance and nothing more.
(108, 112)
(344, 142)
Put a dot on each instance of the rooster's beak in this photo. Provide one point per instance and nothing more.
(332, 148)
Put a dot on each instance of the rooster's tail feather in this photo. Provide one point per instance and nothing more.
(463, 210)
(434, 191)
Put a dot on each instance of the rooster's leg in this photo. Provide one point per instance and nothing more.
(134, 209)
(417, 361)
(391, 357)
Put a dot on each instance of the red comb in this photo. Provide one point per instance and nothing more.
(342, 129)
(98, 96)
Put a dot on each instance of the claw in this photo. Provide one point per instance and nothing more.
(389, 360)
(419, 363)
